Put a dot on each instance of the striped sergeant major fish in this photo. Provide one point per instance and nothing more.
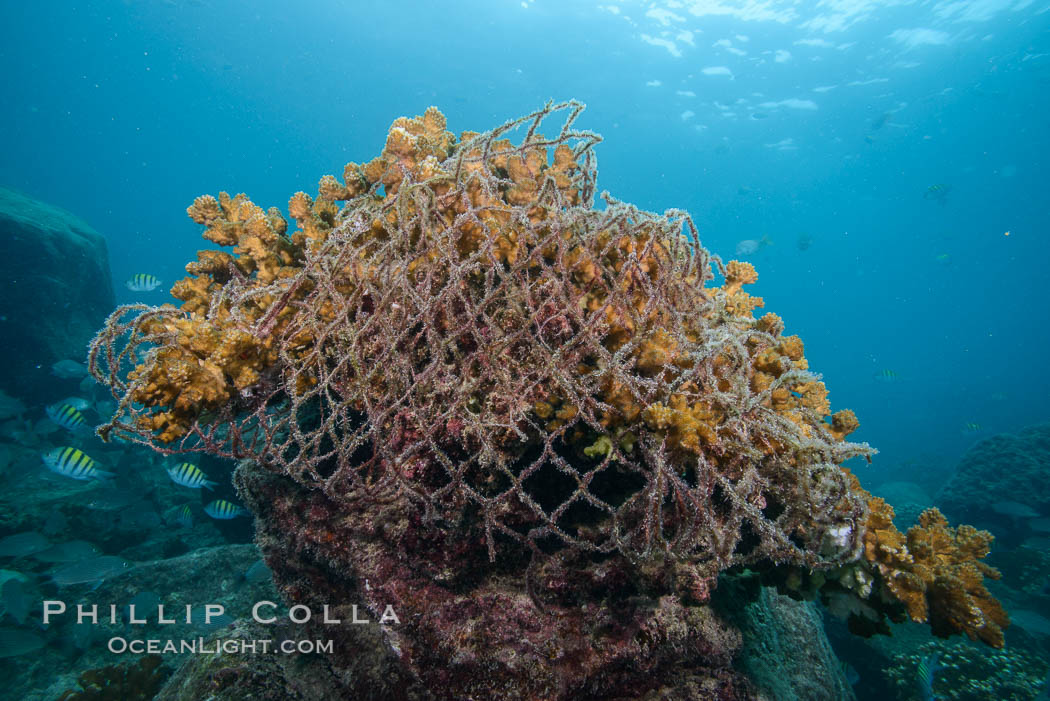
(184, 516)
(926, 673)
(189, 475)
(73, 462)
(65, 415)
(142, 282)
(224, 510)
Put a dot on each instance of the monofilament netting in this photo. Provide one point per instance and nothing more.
(474, 333)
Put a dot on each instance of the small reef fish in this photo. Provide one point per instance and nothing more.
(749, 246)
(69, 369)
(850, 673)
(1033, 623)
(15, 599)
(142, 282)
(78, 403)
(16, 641)
(804, 242)
(72, 551)
(22, 544)
(66, 416)
(1014, 509)
(189, 475)
(258, 572)
(926, 672)
(217, 622)
(971, 427)
(8, 575)
(223, 510)
(937, 193)
(140, 517)
(96, 569)
(87, 384)
(881, 121)
(82, 635)
(73, 462)
(108, 499)
(55, 524)
(184, 516)
(885, 376)
(1040, 525)
(1044, 691)
(10, 406)
(140, 607)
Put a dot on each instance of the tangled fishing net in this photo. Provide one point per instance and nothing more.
(471, 330)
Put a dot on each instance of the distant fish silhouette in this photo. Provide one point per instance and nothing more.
(93, 570)
(68, 369)
(885, 375)
(881, 121)
(184, 516)
(937, 193)
(72, 551)
(22, 544)
(16, 641)
(748, 247)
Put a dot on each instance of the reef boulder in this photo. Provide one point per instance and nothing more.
(472, 630)
(1003, 480)
(57, 288)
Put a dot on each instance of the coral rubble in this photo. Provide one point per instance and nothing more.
(533, 427)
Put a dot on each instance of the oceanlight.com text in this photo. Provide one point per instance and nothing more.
(200, 646)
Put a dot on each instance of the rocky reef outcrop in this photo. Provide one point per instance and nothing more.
(528, 435)
(1004, 478)
(57, 288)
(467, 628)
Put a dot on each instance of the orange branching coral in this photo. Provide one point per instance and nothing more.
(948, 560)
(936, 572)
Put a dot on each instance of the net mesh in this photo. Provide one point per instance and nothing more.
(469, 330)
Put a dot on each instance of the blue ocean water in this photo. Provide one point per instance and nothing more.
(884, 165)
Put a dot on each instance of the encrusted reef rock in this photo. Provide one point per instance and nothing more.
(206, 576)
(468, 628)
(57, 288)
(785, 655)
(480, 635)
(236, 676)
(1004, 479)
(535, 431)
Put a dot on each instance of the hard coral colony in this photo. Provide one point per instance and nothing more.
(532, 374)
